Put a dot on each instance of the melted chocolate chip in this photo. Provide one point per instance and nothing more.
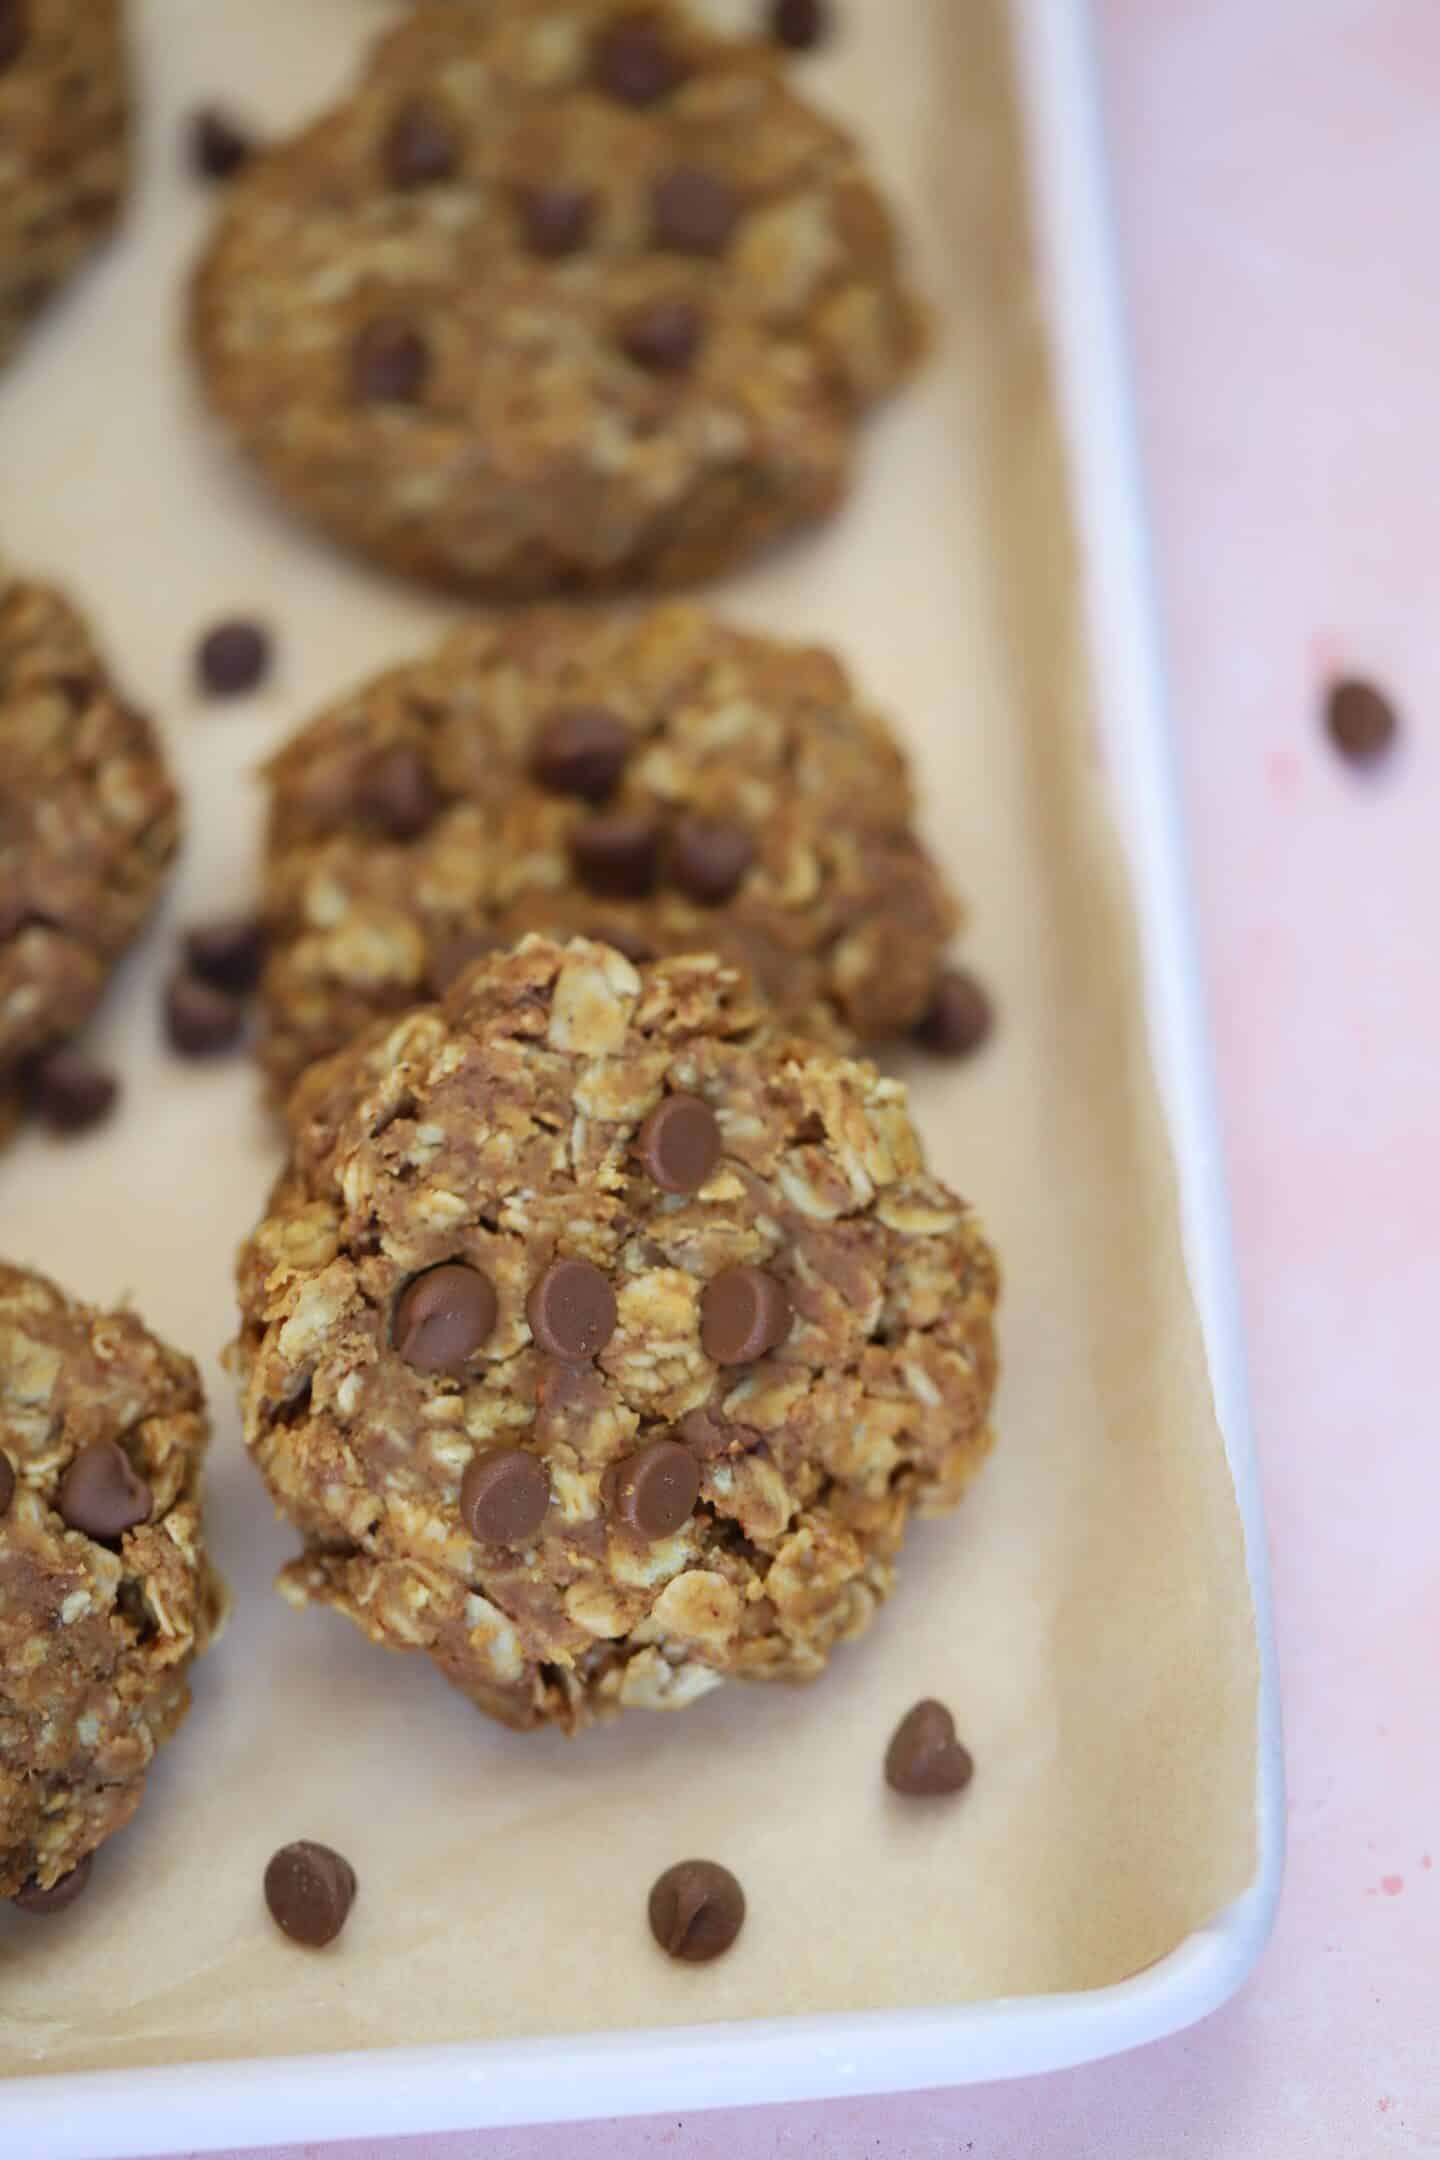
(708, 858)
(7, 1482)
(800, 24)
(679, 1143)
(227, 953)
(309, 1889)
(32, 1899)
(655, 1490)
(14, 30)
(959, 1017)
(443, 1317)
(697, 1909)
(69, 1090)
(744, 1314)
(421, 147)
(396, 790)
(557, 220)
(389, 362)
(103, 1494)
(200, 1020)
(663, 336)
(634, 62)
(619, 855)
(218, 145)
(581, 750)
(572, 1310)
(504, 1496)
(693, 212)
(924, 1757)
(233, 658)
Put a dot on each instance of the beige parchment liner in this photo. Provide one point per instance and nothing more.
(1086, 1614)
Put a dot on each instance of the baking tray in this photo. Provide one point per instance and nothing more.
(199, 2105)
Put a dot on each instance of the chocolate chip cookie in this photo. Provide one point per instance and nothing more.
(64, 152)
(600, 1340)
(568, 295)
(89, 820)
(106, 1593)
(668, 783)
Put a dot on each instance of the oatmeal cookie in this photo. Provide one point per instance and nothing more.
(89, 820)
(64, 151)
(106, 1593)
(668, 783)
(567, 295)
(599, 1340)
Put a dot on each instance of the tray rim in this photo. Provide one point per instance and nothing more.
(120, 2115)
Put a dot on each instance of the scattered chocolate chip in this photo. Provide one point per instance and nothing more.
(634, 62)
(103, 1494)
(14, 30)
(679, 1143)
(618, 854)
(572, 1310)
(504, 1496)
(697, 1909)
(693, 212)
(744, 1314)
(656, 1489)
(33, 1899)
(557, 220)
(1360, 719)
(200, 1020)
(444, 1316)
(707, 1435)
(420, 147)
(227, 953)
(397, 791)
(451, 954)
(309, 1890)
(7, 1482)
(69, 1090)
(637, 950)
(959, 1016)
(232, 659)
(800, 24)
(663, 336)
(217, 145)
(389, 362)
(708, 858)
(581, 750)
(924, 1757)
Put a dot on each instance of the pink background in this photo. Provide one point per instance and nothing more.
(1278, 179)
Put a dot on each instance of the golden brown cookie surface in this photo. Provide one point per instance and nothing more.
(569, 295)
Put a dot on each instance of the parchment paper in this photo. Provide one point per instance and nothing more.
(1086, 1614)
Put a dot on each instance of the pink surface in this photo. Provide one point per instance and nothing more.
(1278, 170)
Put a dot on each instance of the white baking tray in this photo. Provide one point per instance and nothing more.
(204, 2107)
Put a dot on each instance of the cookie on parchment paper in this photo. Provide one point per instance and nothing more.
(569, 295)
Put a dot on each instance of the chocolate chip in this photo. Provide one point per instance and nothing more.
(656, 1489)
(200, 1020)
(233, 658)
(504, 1496)
(33, 1899)
(618, 854)
(309, 1890)
(959, 1016)
(924, 1757)
(572, 1310)
(637, 950)
(389, 362)
(444, 1316)
(557, 220)
(663, 336)
(744, 1314)
(397, 791)
(14, 30)
(708, 858)
(632, 60)
(103, 1494)
(69, 1090)
(227, 953)
(679, 1143)
(451, 954)
(800, 24)
(707, 1435)
(1360, 719)
(7, 1482)
(420, 147)
(697, 1909)
(581, 750)
(218, 146)
(693, 212)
